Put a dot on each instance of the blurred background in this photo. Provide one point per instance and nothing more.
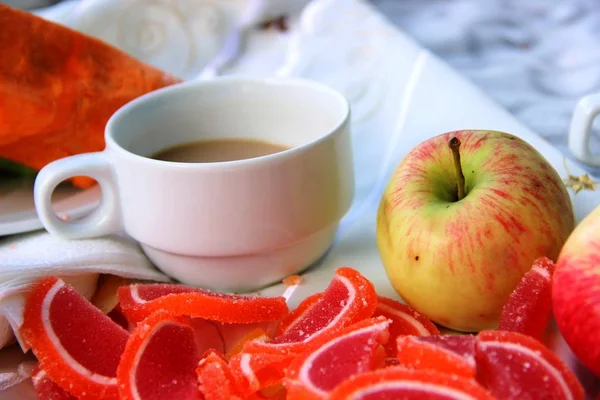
(536, 57)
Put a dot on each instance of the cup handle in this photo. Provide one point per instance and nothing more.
(103, 220)
(579, 134)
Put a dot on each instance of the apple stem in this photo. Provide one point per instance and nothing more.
(454, 145)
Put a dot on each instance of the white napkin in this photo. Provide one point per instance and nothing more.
(25, 259)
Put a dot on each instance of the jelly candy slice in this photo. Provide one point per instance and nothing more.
(46, 388)
(516, 366)
(255, 371)
(461, 345)
(77, 345)
(139, 301)
(159, 361)
(405, 321)
(298, 312)
(417, 354)
(357, 348)
(349, 298)
(215, 379)
(407, 384)
(529, 307)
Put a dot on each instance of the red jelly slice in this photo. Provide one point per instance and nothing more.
(215, 379)
(357, 348)
(46, 388)
(405, 321)
(529, 307)
(77, 345)
(416, 354)
(159, 361)
(401, 383)
(139, 301)
(349, 298)
(516, 366)
(298, 312)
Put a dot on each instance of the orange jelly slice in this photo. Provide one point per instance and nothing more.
(215, 379)
(413, 352)
(139, 301)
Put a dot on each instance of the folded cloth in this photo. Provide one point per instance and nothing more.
(25, 259)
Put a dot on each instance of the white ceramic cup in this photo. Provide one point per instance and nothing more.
(236, 225)
(586, 111)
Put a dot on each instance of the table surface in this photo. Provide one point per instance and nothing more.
(536, 58)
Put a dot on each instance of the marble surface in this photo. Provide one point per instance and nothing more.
(536, 58)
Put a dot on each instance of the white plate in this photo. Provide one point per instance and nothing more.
(17, 210)
(401, 95)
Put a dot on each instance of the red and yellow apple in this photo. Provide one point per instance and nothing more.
(576, 291)
(457, 229)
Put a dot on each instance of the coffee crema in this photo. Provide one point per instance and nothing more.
(218, 150)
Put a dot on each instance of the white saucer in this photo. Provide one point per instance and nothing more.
(17, 210)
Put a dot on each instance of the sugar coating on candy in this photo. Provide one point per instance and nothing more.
(529, 307)
(298, 312)
(405, 321)
(215, 379)
(461, 345)
(401, 383)
(142, 293)
(159, 361)
(81, 353)
(516, 366)
(256, 371)
(357, 348)
(140, 301)
(417, 354)
(349, 298)
(46, 388)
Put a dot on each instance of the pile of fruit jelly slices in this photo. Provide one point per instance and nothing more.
(345, 341)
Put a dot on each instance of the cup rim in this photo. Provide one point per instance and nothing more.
(140, 101)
